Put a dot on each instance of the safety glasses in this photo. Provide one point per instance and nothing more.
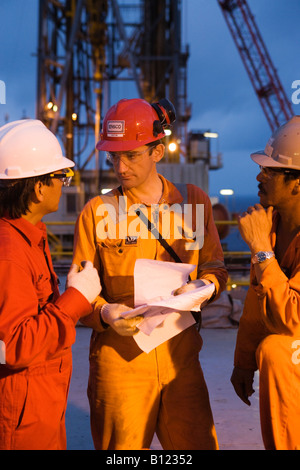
(283, 171)
(65, 176)
(128, 158)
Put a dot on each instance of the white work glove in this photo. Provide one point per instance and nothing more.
(86, 281)
(192, 285)
(110, 314)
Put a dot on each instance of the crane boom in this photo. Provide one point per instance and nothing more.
(262, 73)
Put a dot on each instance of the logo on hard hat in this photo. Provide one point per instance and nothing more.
(115, 128)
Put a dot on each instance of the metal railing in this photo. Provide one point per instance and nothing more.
(58, 252)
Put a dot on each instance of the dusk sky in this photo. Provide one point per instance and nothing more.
(222, 97)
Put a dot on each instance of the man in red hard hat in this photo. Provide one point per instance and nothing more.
(134, 394)
(269, 331)
(37, 325)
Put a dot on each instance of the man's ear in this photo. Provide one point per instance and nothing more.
(158, 153)
(296, 187)
(38, 190)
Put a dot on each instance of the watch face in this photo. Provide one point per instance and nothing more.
(261, 257)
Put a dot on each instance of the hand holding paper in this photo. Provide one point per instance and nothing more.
(194, 285)
(124, 326)
(165, 314)
(190, 300)
(191, 286)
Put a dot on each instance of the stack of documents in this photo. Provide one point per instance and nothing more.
(164, 314)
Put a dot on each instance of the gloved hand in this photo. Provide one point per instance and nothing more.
(86, 281)
(110, 314)
(191, 286)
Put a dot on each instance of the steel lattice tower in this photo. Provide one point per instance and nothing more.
(87, 45)
(261, 71)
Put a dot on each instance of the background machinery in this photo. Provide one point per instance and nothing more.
(88, 49)
(261, 71)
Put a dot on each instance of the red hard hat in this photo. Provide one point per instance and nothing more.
(132, 123)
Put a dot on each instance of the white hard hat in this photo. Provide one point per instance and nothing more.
(28, 148)
(283, 148)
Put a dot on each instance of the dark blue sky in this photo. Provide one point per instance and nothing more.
(219, 89)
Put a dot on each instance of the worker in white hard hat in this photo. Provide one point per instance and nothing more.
(37, 324)
(268, 338)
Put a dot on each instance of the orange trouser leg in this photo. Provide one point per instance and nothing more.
(185, 420)
(32, 407)
(134, 395)
(279, 386)
(123, 404)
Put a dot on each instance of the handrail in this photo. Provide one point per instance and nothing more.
(217, 222)
(72, 222)
(59, 222)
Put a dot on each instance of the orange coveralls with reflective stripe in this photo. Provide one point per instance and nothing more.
(133, 394)
(269, 339)
(37, 327)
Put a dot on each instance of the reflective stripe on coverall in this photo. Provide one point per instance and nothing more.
(267, 339)
(133, 394)
(37, 327)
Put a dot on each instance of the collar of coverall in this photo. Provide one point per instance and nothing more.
(170, 194)
(33, 233)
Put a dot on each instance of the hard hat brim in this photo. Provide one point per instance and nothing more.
(29, 149)
(261, 158)
(62, 162)
(124, 146)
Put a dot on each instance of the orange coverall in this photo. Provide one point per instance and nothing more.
(133, 394)
(37, 327)
(267, 339)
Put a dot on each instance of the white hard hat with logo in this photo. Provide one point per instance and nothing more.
(28, 148)
(283, 148)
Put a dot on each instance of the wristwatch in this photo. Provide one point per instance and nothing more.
(261, 256)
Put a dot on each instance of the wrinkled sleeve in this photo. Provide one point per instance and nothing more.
(279, 300)
(32, 334)
(85, 248)
(271, 307)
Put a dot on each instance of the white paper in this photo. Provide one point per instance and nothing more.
(155, 279)
(154, 282)
(173, 324)
(187, 301)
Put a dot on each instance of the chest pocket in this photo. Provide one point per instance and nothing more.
(43, 290)
(118, 259)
